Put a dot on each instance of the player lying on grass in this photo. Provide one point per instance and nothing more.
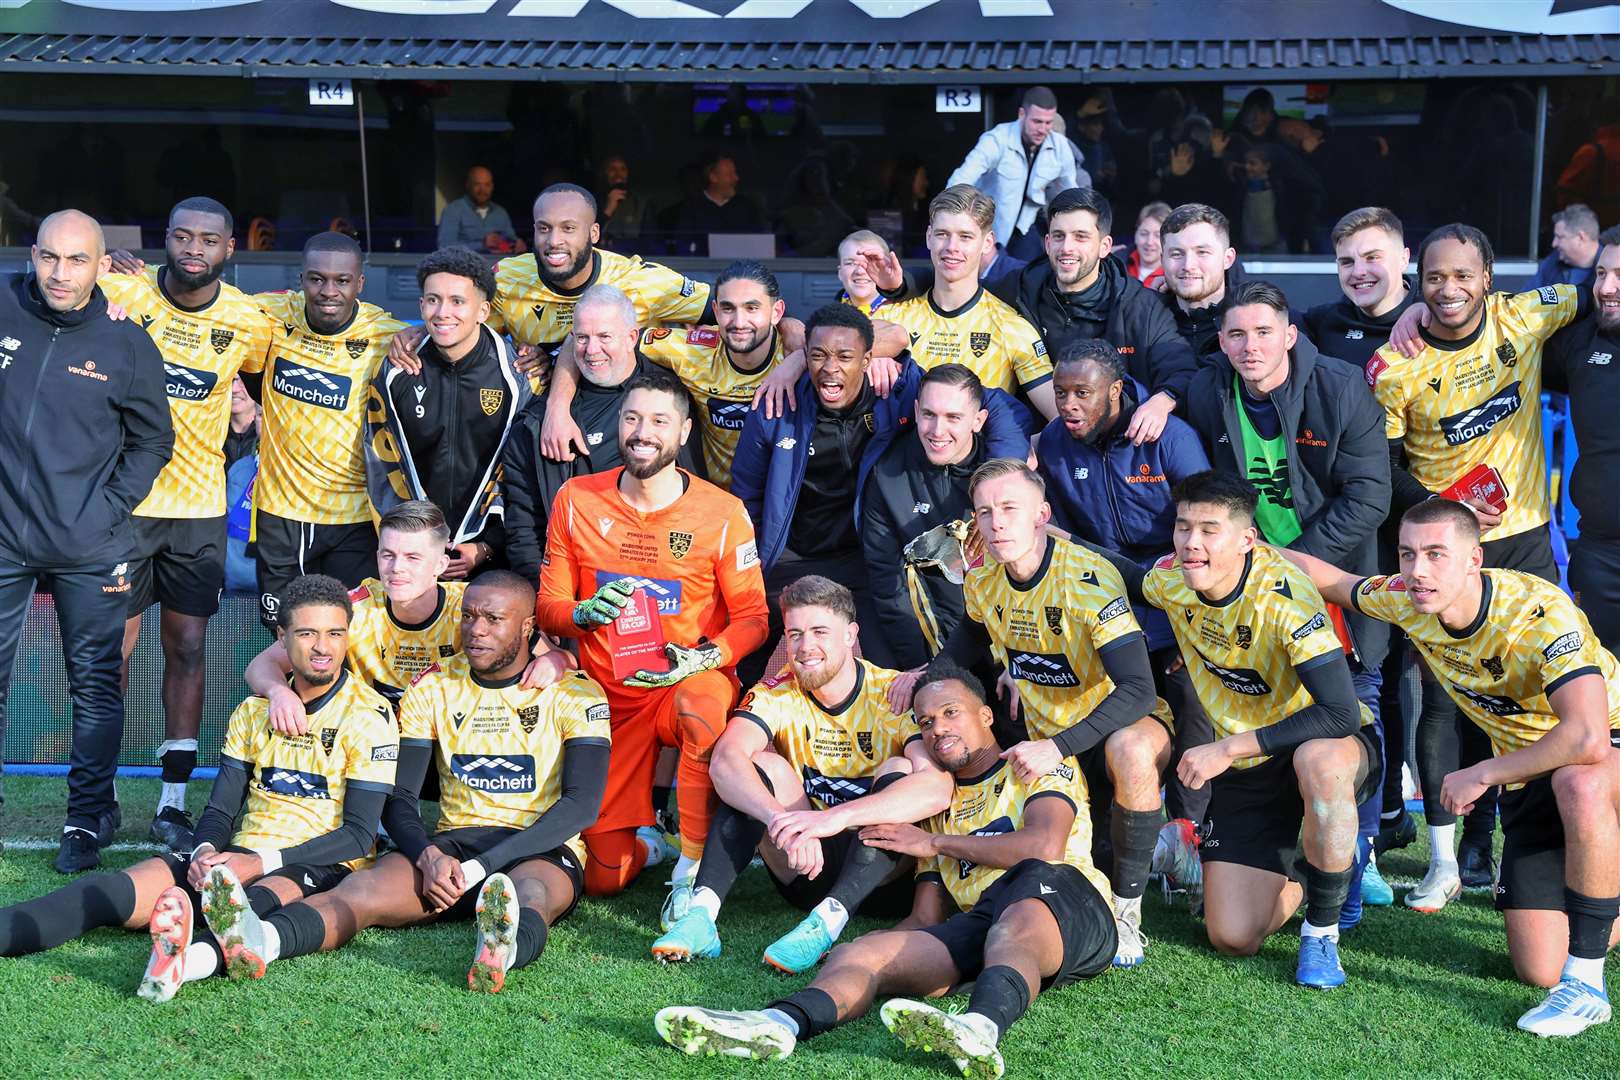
(809, 757)
(1007, 898)
(288, 816)
(405, 620)
(1290, 762)
(1055, 616)
(1521, 661)
(521, 771)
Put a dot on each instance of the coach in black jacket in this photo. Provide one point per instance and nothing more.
(84, 431)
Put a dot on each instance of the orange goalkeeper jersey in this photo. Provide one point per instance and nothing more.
(696, 558)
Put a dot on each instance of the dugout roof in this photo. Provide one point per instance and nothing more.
(910, 41)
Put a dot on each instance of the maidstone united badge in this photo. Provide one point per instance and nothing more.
(490, 400)
(1506, 353)
(679, 544)
(863, 739)
(1054, 619)
(528, 718)
(328, 738)
(357, 347)
(1245, 637)
(220, 339)
(979, 343)
(1493, 665)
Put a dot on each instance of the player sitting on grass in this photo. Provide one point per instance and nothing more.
(288, 816)
(1521, 661)
(1007, 899)
(521, 771)
(810, 756)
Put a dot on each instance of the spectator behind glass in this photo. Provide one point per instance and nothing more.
(860, 290)
(908, 192)
(1352, 170)
(1280, 201)
(242, 438)
(812, 223)
(476, 222)
(1095, 124)
(1593, 173)
(622, 210)
(718, 207)
(1143, 261)
(1574, 248)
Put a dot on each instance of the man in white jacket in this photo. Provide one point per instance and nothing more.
(1021, 164)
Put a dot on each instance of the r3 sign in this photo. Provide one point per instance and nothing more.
(958, 99)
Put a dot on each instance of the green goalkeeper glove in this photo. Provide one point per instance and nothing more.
(684, 661)
(608, 604)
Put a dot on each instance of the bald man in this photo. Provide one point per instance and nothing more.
(476, 221)
(84, 431)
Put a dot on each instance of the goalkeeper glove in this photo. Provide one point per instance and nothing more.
(606, 605)
(684, 661)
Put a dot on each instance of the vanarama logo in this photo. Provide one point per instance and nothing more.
(88, 371)
(1145, 475)
(1308, 438)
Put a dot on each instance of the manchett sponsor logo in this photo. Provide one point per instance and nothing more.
(1479, 420)
(311, 386)
(499, 774)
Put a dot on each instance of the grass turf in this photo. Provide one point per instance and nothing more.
(1429, 996)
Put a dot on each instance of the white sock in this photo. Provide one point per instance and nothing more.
(1122, 905)
(173, 795)
(1589, 971)
(780, 1017)
(1442, 846)
(685, 869)
(272, 943)
(1307, 930)
(202, 961)
(707, 899)
(833, 914)
(1391, 815)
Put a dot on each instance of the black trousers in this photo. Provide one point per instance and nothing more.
(1594, 577)
(1193, 728)
(849, 570)
(90, 605)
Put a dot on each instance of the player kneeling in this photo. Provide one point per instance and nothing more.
(1008, 898)
(521, 773)
(308, 808)
(809, 757)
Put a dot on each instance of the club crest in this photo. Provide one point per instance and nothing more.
(490, 400)
(979, 342)
(328, 738)
(679, 544)
(356, 347)
(528, 718)
(221, 339)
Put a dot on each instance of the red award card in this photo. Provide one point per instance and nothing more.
(1481, 484)
(636, 638)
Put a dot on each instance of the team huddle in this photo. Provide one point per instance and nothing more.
(968, 610)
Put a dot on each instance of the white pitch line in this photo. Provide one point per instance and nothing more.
(34, 843)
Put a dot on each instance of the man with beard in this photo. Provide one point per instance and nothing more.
(721, 366)
(1007, 900)
(207, 331)
(811, 756)
(802, 472)
(657, 540)
(84, 430)
(311, 512)
(1468, 400)
(535, 293)
(1081, 292)
(1107, 490)
(605, 356)
(1581, 362)
(521, 772)
(438, 434)
(288, 816)
(1199, 266)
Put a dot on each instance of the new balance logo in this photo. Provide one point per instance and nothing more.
(595, 438)
(10, 343)
(1600, 359)
(787, 443)
(921, 508)
(1082, 473)
(188, 384)
(495, 773)
(1353, 335)
(1465, 426)
(310, 386)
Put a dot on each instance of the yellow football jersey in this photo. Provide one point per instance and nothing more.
(203, 350)
(530, 312)
(870, 310)
(1529, 638)
(1478, 401)
(1242, 654)
(388, 654)
(1049, 633)
(834, 751)
(994, 804)
(297, 782)
(311, 467)
(499, 748)
(699, 358)
(984, 335)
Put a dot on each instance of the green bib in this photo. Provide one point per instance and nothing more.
(1266, 463)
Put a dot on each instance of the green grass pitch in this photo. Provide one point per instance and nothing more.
(1429, 996)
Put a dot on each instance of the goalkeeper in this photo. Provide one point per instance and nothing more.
(687, 548)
